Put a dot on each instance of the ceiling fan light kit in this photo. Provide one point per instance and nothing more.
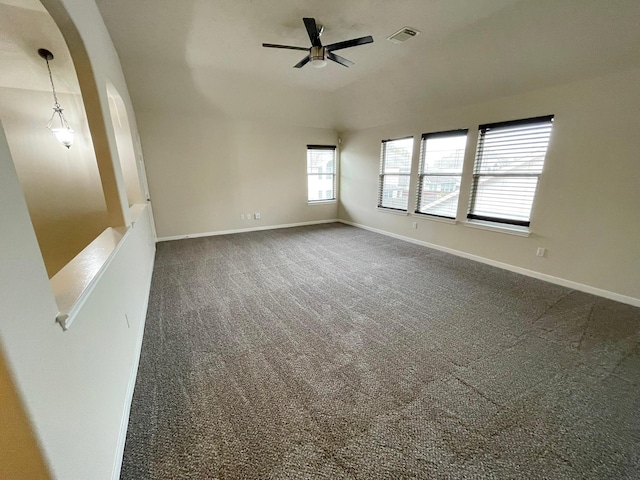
(317, 57)
(318, 54)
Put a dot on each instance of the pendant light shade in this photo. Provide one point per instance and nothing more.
(57, 124)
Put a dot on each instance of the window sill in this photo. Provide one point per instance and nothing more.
(433, 218)
(498, 227)
(392, 211)
(321, 202)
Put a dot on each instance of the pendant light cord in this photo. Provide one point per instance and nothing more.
(53, 88)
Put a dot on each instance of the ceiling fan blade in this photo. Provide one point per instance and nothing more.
(302, 62)
(288, 47)
(312, 30)
(349, 43)
(339, 59)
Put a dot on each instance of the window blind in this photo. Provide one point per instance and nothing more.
(395, 173)
(321, 172)
(508, 164)
(441, 160)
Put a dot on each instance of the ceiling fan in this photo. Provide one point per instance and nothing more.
(319, 53)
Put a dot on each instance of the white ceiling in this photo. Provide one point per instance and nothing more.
(204, 58)
(468, 51)
(25, 26)
(227, 35)
(528, 45)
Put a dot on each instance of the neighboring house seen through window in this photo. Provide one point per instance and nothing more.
(508, 163)
(321, 173)
(441, 160)
(395, 173)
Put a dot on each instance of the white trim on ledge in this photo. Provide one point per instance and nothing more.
(322, 202)
(512, 268)
(68, 312)
(243, 230)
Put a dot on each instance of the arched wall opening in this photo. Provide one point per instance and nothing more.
(81, 200)
(62, 187)
(72, 194)
(126, 151)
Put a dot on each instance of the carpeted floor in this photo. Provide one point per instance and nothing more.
(330, 352)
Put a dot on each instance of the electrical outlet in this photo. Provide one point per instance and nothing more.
(415, 224)
(257, 216)
(242, 216)
(540, 252)
(249, 216)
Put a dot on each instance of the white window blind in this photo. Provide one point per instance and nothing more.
(321, 172)
(395, 173)
(441, 160)
(508, 165)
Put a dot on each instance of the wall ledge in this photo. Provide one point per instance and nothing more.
(72, 285)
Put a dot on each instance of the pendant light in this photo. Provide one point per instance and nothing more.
(57, 124)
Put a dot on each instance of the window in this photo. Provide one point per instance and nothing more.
(508, 164)
(395, 173)
(441, 159)
(321, 173)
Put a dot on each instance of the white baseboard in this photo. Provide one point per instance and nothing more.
(524, 271)
(124, 422)
(243, 230)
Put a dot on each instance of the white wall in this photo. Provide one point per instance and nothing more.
(204, 172)
(75, 386)
(587, 210)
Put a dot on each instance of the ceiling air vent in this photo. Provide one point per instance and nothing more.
(403, 35)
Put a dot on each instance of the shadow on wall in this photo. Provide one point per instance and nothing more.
(19, 452)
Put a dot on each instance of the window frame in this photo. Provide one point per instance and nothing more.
(477, 166)
(421, 169)
(382, 174)
(324, 175)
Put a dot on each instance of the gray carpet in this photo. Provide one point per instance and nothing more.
(330, 352)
